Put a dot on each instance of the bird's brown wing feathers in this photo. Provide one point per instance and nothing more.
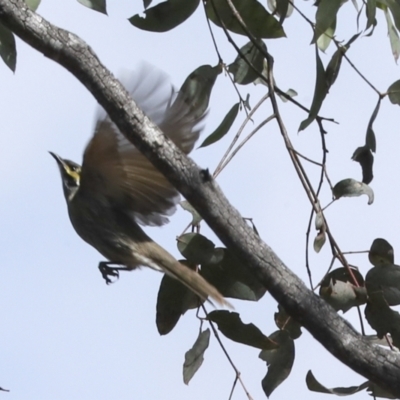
(114, 167)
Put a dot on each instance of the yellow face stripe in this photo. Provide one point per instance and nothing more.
(75, 175)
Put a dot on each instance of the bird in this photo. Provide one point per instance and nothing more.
(116, 188)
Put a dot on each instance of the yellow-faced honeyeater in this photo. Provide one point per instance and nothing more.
(117, 188)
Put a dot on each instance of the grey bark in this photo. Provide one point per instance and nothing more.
(333, 332)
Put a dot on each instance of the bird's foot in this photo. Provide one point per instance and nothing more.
(110, 274)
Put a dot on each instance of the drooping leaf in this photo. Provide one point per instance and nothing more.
(339, 290)
(230, 324)
(96, 5)
(352, 188)
(165, 16)
(333, 68)
(364, 156)
(282, 8)
(196, 217)
(325, 16)
(289, 92)
(371, 12)
(325, 39)
(319, 241)
(195, 356)
(394, 8)
(285, 322)
(223, 127)
(197, 249)
(370, 140)
(242, 72)
(382, 318)
(196, 90)
(393, 35)
(381, 253)
(314, 386)
(173, 300)
(8, 51)
(319, 93)
(32, 4)
(232, 278)
(257, 19)
(279, 361)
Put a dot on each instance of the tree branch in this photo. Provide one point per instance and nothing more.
(338, 336)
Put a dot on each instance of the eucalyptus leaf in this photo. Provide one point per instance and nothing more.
(165, 16)
(394, 92)
(173, 300)
(325, 16)
(195, 356)
(196, 90)
(8, 51)
(256, 18)
(319, 93)
(285, 322)
(223, 127)
(365, 158)
(242, 72)
(230, 324)
(279, 361)
(96, 5)
(352, 188)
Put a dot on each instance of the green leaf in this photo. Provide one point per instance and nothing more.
(32, 4)
(232, 278)
(319, 93)
(393, 35)
(394, 7)
(370, 140)
(339, 290)
(364, 156)
(195, 356)
(230, 324)
(223, 127)
(165, 16)
(197, 249)
(382, 318)
(325, 16)
(257, 19)
(333, 68)
(384, 280)
(8, 51)
(242, 72)
(319, 241)
(325, 39)
(173, 300)
(394, 92)
(352, 188)
(96, 5)
(279, 361)
(281, 8)
(371, 12)
(285, 322)
(196, 90)
(314, 386)
(381, 253)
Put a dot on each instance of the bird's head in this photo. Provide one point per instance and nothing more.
(70, 175)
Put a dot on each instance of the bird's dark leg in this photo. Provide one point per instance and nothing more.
(107, 271)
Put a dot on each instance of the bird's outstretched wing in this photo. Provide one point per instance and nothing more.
(114, 168)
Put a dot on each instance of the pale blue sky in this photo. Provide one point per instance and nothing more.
(65, 334)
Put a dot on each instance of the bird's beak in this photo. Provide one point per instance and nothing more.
(60, 162)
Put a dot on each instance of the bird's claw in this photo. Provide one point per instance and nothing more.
(107, 272)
